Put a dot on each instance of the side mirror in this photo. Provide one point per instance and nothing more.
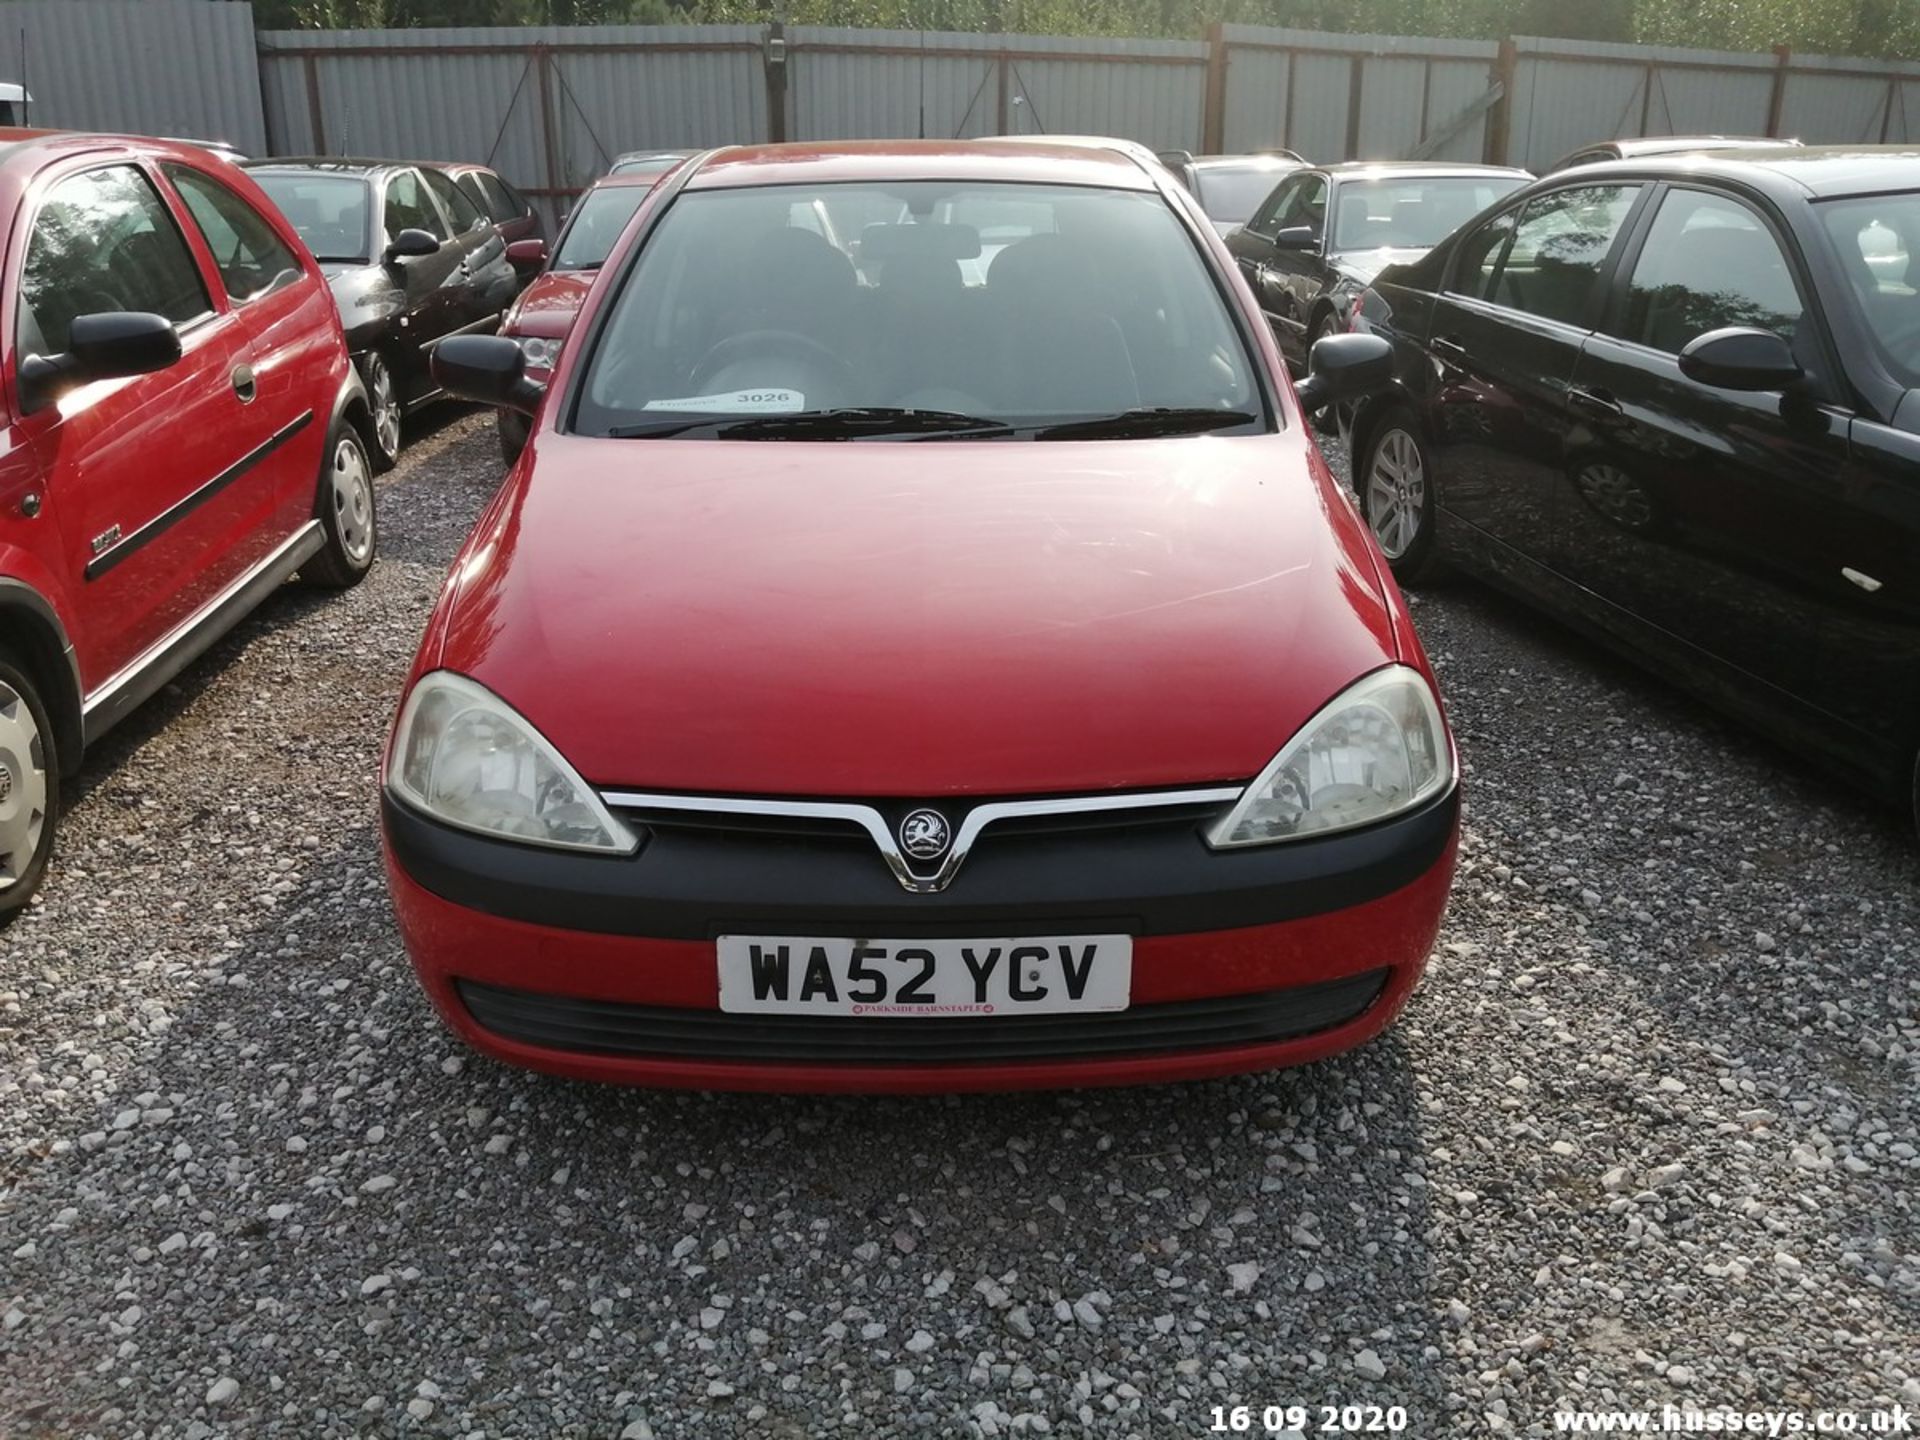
(104, 346)
(1341, 368)
(1738, 358)
(409, 244)
(1297, 237)
(526, 254)
(489, 369)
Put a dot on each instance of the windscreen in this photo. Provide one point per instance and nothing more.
(1412, 214)
(329, 211)
(1877, 237)
(1006, 303)
(590, 234)
(1231, 193)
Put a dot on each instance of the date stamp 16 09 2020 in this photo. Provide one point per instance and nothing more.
(1284, 1421)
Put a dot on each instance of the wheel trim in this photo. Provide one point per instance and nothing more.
(23, 779)
(1396, 493)
(386, 409)
(352, 496)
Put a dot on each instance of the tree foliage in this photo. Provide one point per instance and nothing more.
(1886, 28)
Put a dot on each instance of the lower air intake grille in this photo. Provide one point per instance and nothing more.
(604, 1027)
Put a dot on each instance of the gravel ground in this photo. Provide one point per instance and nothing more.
(1646, 1134)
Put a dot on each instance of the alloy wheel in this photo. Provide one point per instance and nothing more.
(386, 408)
(1396, 493)
(23, 786)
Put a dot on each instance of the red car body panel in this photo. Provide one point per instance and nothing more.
(959, 620)
(129, 461)
(448, 940)
(1140, 613)
(549, 306)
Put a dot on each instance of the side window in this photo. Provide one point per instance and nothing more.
(501, 202)
(464, 214)
(1266, 219)
(1708, 263)
(1559, 243)
(409, 208)
(1307, 205)
(104, 241)
(251, 258)
(1478, 260)
(470, 186)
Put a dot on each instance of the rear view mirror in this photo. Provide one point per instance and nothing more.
(490, 369)
(1739, 358)
(1341, 368)
(103, 346)
(410, 243)
(526, 254)
(1296, 237)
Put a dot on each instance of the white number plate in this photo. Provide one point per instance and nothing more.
(810, 975)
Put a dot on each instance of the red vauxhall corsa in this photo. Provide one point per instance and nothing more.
(179, 420)
(949, 666)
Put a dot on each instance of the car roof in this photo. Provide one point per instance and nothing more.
(1818, 171)
(627, 157)
(1637, 145)
(23, 150)
(1246, 162)
(880, 161)
(1433, 169)
(336, 164)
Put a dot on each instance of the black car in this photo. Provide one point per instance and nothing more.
(1642, 147)
(1677, 403)
(1230, 188)
(1327, 230)
(411, 260)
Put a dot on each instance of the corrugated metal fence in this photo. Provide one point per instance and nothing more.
(550, 106)
(153, 67)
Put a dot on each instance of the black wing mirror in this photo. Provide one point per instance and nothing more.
(489, 369)
(410, 244)
(1739, 358)
(104, 346)
(1297, 237)
(1344, 367)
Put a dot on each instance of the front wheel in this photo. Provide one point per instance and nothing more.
(29, 788)
(345, 511)
(384, 410)
(1398, 495)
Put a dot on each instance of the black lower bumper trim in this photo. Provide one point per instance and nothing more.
(655, 1032)
(1153, 877)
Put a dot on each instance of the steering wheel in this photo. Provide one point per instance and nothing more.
(754, 346)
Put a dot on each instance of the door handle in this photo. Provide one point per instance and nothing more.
(1451, 348)
(244, 384)
(1596, 403)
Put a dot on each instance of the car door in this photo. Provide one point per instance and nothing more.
(1518, 302)
(1295, 274)
(487, 280)
(146, 475)
(432, 286)
(291, 347)
(1254, 246)
(1706, 513)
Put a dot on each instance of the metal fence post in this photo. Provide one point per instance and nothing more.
(773, 58)
(1500, 122)
(1213, 113)
(1777, 101)
(550, 141)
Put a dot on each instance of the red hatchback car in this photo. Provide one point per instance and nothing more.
(965, 677)
(180, 437)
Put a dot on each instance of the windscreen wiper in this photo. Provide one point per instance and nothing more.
(846, 423)
(1146, 423)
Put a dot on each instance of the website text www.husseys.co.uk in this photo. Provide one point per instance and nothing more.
(1672, 1420)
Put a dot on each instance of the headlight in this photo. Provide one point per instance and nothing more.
(462, 755)
(1379, 748)
(541, 350)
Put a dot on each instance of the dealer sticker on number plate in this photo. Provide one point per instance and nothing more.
(811, 975)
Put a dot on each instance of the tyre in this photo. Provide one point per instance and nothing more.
(385, 411)
(344, 508)
(1916, 796)
(1399, 495)
(29, 787)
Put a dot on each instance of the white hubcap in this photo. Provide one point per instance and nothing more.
(352, 501)
(1396, 493)
(23, 786)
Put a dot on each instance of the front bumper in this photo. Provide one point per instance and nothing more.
(604, 968)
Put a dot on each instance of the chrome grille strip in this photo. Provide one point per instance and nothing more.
(874, 823)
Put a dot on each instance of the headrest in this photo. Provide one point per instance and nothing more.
(944, 242)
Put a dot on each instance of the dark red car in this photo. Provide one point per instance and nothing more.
(183, 431)
(540, 319)
(969, 678)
